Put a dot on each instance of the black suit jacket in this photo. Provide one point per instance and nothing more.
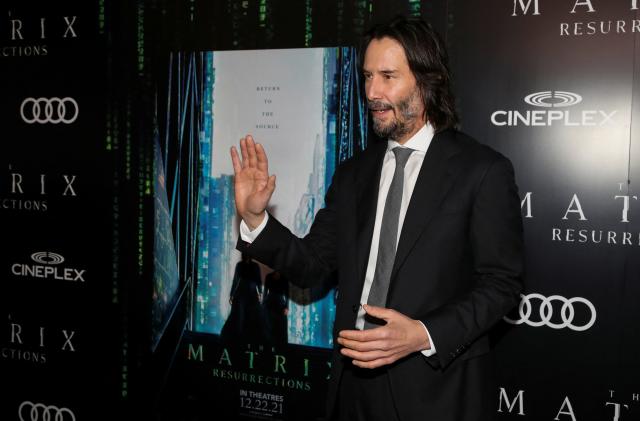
(458, 268)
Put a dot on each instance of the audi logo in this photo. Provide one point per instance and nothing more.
(47, 258)
(553, 99)
(30, 411)
(567, 312)
(49, 110)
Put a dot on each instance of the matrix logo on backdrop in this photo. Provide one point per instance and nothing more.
(27, 36)
(31, 192)
(547, 313)
(554, 111)
(510, 402)
(30, 344)
(583, 232)
(31, 411)
(49, 110)
(46, 267)
(582, 8)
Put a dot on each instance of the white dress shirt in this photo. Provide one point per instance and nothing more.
(419, 143)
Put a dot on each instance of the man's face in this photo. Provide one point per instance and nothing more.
(392, 92)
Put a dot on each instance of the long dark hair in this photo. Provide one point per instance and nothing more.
(428, 61)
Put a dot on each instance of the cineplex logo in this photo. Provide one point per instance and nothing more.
(49, 110)
(554, 110)
(46, 267)
(564, 311)
(31, 411)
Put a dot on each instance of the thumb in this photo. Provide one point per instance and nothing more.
(378, 312)
(271, 183)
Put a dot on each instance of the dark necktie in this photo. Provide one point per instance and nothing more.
(388, 236)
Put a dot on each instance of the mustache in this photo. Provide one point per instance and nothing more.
(379, 106)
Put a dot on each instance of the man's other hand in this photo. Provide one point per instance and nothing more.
(384, 345)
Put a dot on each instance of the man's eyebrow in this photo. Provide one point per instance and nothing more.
(383, 71)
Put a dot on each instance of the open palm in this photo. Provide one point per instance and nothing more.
(252, 183)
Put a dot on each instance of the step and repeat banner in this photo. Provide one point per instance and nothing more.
(122, 290)
(98, 235)
(54, 216)
(554, 86)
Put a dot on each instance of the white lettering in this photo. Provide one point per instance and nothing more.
(16, 180)
(583, 3)
(496, 122)
(69, 183)
(518, 399)
(568, 411)
(524, 7)
(607, 117)
(16, 26)
(527, 201)
(616, 409)
(588, 117)
(625, 206)
(15, 333)
(569, 235)
(69, 27)
(68, 340)
(575, 201)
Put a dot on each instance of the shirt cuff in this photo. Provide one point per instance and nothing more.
(249, 236)
(431, 351)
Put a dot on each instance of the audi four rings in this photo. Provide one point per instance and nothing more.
(567, 312)
(49, 110)
(30, 411)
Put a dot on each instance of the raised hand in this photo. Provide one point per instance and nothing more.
(252, 183)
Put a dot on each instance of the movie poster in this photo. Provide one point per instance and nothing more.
(258, 343)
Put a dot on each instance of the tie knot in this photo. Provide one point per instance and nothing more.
(402, 155)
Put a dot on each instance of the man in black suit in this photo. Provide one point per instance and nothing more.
(425, 233)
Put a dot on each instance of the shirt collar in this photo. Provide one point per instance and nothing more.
(419, 141)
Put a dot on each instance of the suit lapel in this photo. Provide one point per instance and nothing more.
(367, 185)
(436, 177)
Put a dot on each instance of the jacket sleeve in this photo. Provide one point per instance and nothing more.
(496, 236)
(304, 261)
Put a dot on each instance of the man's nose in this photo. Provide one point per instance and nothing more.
(372, 89)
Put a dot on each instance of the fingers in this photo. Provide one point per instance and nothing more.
(245, 153)
(262, 162)
(383, 345)
(378, 362)
(251, 150)
(235, 160)
(379, 312)
(358, 335)
(365, 335)
(364, 356)
(253, 155)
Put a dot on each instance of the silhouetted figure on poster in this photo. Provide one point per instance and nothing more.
(247, 319)
(276, 305)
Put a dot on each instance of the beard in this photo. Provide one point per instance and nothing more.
(405, 117)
